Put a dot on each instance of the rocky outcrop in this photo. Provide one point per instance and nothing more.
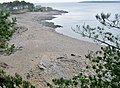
(65, 66)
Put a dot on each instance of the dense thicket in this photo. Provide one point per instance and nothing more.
(17, 5)
(22, 6)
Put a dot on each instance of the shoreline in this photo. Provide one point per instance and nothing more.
(45, 54)
(51, 17)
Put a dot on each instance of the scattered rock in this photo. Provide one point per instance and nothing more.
(50, 24)
(18, 48)
(73, 55)
(41, 66)
(4, 65)
(59, 26)
(19, 29)
(28, 76)
(63, 66)
(60, 58)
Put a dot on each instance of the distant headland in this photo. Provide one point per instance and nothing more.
(100, 2)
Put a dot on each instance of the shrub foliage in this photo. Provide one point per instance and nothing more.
(6, 31)
(7, 81)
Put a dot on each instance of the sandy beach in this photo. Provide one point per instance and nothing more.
(43, 54)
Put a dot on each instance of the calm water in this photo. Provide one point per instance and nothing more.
(80, 14)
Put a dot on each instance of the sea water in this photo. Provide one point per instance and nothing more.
(81, 14)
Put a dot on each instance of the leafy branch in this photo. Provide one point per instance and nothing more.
(100, 34)
(104, 19)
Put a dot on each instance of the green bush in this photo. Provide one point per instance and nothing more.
(7, 81)
(6, 31)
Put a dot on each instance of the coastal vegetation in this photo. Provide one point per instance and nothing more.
(106, 62)
(17, 6)
(22, 6)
